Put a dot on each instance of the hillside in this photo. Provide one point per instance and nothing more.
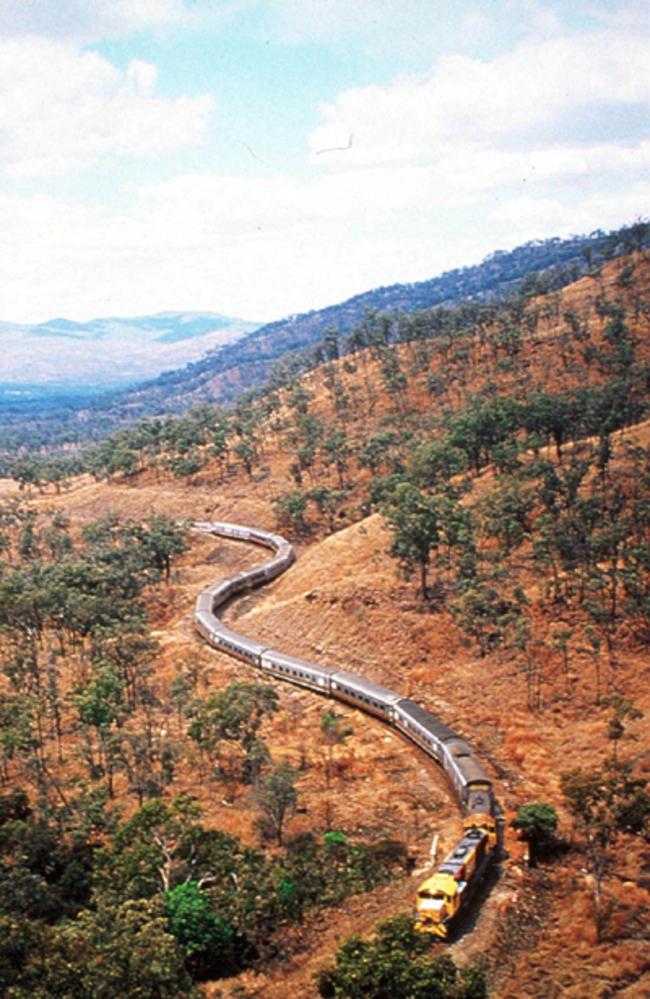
(520, 430)
(224, 376)
(230, 370)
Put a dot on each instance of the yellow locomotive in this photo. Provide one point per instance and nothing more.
(442, 896)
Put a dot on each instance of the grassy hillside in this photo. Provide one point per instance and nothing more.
(514, 437)
(226, 373)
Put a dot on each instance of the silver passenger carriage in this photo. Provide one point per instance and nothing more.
(364, 694)
(422, 727)
(463, 768)
(229, 641)
(298, 671)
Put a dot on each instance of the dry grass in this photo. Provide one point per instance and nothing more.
(343, 604)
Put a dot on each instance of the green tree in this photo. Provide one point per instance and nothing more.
(290, 510)
(483, 611)
(327, 502)
(152, 851)
(414, 519)
(126, 951)
(394, 964)
(277, 796)
(234, 715)
(210, 944)
(536, 823)
(336, 450)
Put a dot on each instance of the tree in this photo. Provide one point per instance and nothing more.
(414, 520)
(211, 946)
(337, 450)
(126, 951)
(277, 796)
(506, 513)
(327, 502)
(394, 964)
(623, 710)
(478, 429)
(100, 704)
(290, 510)
(605, 802)
(234, 715)
(247, 451)
(377, 451)
(536, 823)
(434, 462)
(160, 539)
(152, 851)
(485, 613)
(334, 732)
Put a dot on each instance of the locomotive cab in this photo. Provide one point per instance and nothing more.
(438, 901)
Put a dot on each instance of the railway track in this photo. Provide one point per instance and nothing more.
(444, 895)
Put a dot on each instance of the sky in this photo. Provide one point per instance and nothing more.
(264, 157)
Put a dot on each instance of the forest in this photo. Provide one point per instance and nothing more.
(496, 454)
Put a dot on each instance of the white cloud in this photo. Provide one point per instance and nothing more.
(534, 96)
(184, 246)
(262, 248)
(143, 75)
(527, 217)
(86, 20)
(62, 109)
(548, 138)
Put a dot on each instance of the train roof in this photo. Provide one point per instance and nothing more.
(366, 687)
(266, 537)
(229, 530)
(465, 757)
(250, 644)
(428, 721)
(295, 663)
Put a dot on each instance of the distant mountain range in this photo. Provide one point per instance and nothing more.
(240, 356)
(108, 353)
(230, 370)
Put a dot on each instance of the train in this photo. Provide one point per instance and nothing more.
(443, 896)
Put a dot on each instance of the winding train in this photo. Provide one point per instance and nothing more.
(443, 895)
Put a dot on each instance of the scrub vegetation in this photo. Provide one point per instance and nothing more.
(469, 489)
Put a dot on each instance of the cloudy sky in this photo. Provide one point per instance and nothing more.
(262, 157)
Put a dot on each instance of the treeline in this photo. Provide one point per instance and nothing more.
(444, 351)
(537, 267)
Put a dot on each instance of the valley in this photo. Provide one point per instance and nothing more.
(517, 434)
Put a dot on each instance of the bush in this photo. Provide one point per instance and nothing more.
(394, 963)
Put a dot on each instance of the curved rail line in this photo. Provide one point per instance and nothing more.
(441, 897)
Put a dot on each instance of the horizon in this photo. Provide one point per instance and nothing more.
(264, 158)
(260, 323)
